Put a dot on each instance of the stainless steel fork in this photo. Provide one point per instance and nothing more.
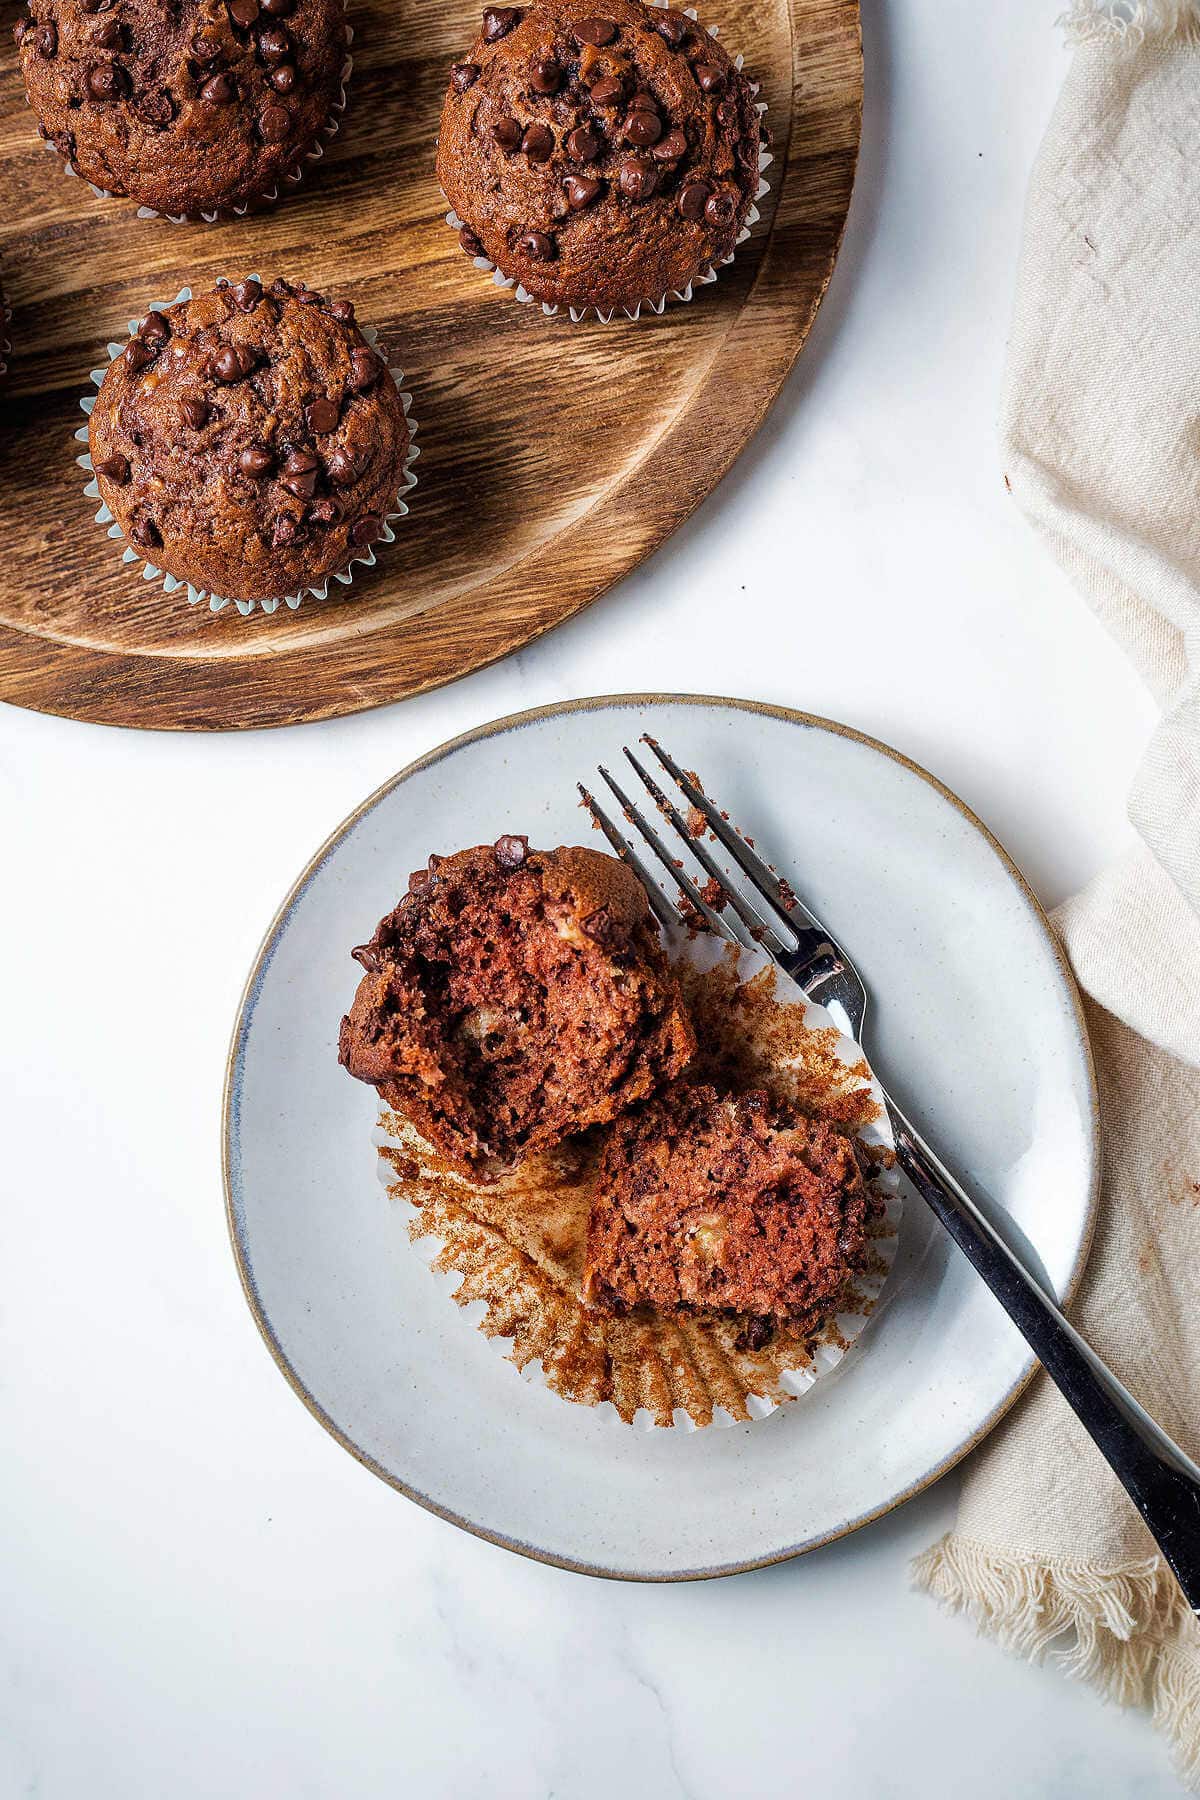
(1163, 1482)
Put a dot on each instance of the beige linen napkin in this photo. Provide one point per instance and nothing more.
(1101, 441)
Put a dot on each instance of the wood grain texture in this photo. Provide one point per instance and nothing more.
(554, 456)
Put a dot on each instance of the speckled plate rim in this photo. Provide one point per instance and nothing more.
(235, 1059)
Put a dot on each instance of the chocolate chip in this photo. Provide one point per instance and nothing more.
(246, 294)
(720, 209)
(727, 113)
(274, 124)
(595, 31)
(581, 191)
(584, 144)
(139, 354)
(195, 411)
(206, 47)
(274, 44)
(155, 329)
(21, 30)
(105, 81)
(219, 89)
(306, 296)
(469, 242)
(283, 290)
(343, 310)
(95, 6)
(286, 531)
(545, 77)
(538, 142)
(756, 1334)
(507, 133)
(366, 529)
(365, 370)
(113, 468)
(243, 12)
(670, 148)
(709, 79)
(511, 851)
(110, 35)
(463, 76)
(602, 928)
(255, 461)
(537, 246)
(278, 9)
(46, 41)
(233, 362)
(283, 79)
(321, 416)
(341, 468)
(608, 91)
(498, 21)
(642, 128)
(146, 533)
(299, 474)
(673, 26)
(637, 178)
(325, 512)
(418, 879)
(693, 196)
(155, 108)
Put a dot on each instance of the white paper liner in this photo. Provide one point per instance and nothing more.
(836, 1336)
(171, 583)
(293, 175)
(578, 313)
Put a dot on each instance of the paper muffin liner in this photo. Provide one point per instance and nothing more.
(511, 1254)
(654, 304)
(292, 176)
(317, 590)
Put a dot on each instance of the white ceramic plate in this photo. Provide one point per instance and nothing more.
(976, 1027)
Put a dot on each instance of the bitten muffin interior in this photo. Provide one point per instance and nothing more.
(708, 1202)
(512, 998)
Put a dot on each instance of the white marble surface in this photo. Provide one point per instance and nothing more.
(202, 1594)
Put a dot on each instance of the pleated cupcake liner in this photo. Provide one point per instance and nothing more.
(291, 177)
(656, 304)
(686, 1371)
(171, 584)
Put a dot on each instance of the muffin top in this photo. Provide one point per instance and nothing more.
(187, 108)
(249, 441)
(599, 156)
(513, 998)
(711, 1202)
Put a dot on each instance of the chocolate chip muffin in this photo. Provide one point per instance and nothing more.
(710, 1203)
(600, 158)
(196, 106)
(513, 998)
(250, 441)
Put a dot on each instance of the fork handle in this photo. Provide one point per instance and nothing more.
(1162, 1481)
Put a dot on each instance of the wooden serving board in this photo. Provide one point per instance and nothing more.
(554, 456)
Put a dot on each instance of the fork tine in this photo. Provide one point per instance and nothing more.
(661, 908)
(682, 881)
(751, 864)
(760, 929)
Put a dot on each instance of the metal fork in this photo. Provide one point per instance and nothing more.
(1163, 1482)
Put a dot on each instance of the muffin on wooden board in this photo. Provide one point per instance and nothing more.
(190, 108)
(249, 441)
(600, 155)
(513, 998)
